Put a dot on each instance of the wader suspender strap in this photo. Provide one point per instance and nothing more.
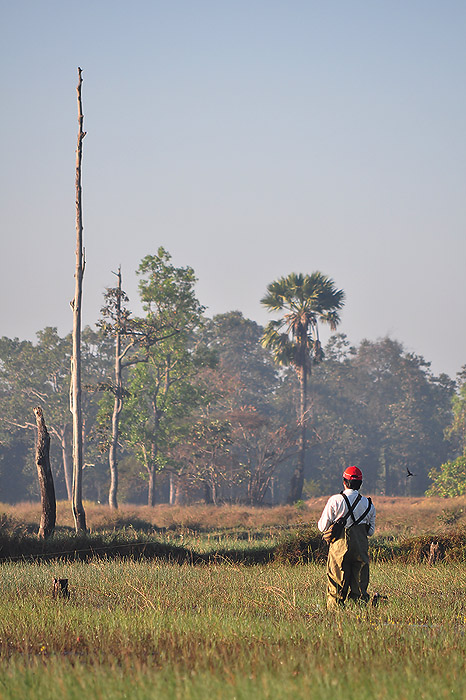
(366, 512)
(352, 507)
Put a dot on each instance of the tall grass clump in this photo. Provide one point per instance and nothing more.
(18, 545)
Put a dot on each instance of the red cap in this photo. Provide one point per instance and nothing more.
(352, 473)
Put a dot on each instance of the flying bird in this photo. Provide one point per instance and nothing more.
(408, 473)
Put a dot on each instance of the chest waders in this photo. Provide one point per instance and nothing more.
(348, 563)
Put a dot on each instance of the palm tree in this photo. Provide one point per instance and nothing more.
(304, 300)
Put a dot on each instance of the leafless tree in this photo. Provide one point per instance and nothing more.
(75, 389)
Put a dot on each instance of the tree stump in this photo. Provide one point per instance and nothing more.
(60, 588)
(44, 472)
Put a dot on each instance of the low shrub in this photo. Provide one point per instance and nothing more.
(301, 547)
(72, 547)
(451, 546)
(307, 545)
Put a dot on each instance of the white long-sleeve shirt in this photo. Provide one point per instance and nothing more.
(336, 508)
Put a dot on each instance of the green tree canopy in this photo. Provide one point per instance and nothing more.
(161, 386)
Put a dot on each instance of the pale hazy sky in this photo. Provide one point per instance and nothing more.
(250, 138)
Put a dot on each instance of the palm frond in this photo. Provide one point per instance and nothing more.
(332, 318)
(306, 300)
(279, 344)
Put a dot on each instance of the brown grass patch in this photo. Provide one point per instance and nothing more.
(395, 516)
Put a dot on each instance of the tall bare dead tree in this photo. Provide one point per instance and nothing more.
(44, 472)
(75, 389)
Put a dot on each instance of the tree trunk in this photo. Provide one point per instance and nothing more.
(173, 492)
(44, 472)
(297, 480)
(272, 490)
(214, 493)
(181, 491)
(64, 437)
(254, 489)
(151, 490)
(77, 505)
(207, 493)
(112, 461)
(386, 485)
(117, 406)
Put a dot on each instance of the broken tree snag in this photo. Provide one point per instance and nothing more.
(60, 588)
(44, 472)
(75, 390)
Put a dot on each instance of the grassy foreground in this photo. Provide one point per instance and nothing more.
(156, 630)
(163, 628)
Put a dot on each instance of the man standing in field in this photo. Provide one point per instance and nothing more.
(348, 557)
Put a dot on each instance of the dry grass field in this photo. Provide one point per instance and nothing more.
(395, 516)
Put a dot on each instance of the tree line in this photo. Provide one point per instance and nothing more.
(179, 407)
